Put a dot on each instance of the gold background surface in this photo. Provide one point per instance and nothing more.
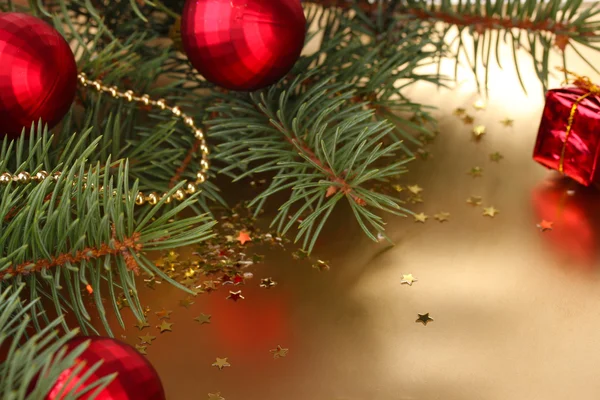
(516, 311)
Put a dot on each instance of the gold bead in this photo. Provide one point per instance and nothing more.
(139, 199)
(204, 164)
(40, 176)
(56, 175)
(96, 85)
(152, 199)
(168, 198)
(190, 188)
(5, 178)
(145, 99)
(176, 111)
(198, 134)
(114, 91)
(128, 95)
(161, 104)
(200, 177)
(189, 121)
(23, 177)
(179, 195)
(204, 149)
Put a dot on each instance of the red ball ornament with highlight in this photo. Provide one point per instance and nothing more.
(38, 73)
(136, 378)
(243, 44)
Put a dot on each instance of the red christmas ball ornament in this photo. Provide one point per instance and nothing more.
(136, 379)
(243, 44)
(38, 74)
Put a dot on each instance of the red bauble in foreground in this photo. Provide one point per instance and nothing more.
(38, 74)
(136, 379)
(243, 44)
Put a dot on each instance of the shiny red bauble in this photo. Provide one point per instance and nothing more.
(243, 44)
(38, 74)
(136, 379)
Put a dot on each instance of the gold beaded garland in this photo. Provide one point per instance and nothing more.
(153, 198)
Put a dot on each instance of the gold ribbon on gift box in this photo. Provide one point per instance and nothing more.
(584, 83)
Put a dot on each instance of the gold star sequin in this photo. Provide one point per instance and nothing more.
(478, 132)
(475, 172)
(187, 302)
(203, 319)
(163, 314)
(424, 319)
(496, 157)
(507, 122)
(215, 396)
(141, 325)
(267, 283)
(459, 112)
(279, 352)
(235, 296)
(490, 211)
(415, 199)
(397, 188)
(442, 216)
(209, 286)
(545, 225)
(141, 349)
(408, 279)
(421, 217)
(479, 105)
(147, 339)
(468, 120)
(221, 363)
(415, 189)
(474, 200)
(165, 327)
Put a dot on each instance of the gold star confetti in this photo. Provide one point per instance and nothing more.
(459, 112)
(215, 396)
(545, 225)
(468, 120)
(415, 199)
(490, 212)
(442, 216)
(496, 157)
(475, 172)
(163, 314)
(141, 349)
(420, 217)
(474, 200)
(279, 352)
(267, 283)
(209, 286)
(408, 279)
(165, 327)
(415, 189)
(221, 363)
(147, 339)
(187, 302)
(229, 238)
(479, 105)
(203, 319)
(141, 325)
(424, 319)
(397, 188)
(478, 132)
(235, 296)
(243, 237)
(507, 122)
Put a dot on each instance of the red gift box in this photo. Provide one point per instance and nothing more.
(569, 136)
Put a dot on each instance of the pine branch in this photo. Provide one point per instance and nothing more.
(34, 363)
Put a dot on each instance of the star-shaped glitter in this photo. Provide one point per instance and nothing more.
(475, 172)
(215, 396)
(163, 314)
(474, 200)
(424, 319)
(279, 352)
(468, 120)
(147, 339)
(459, 112)
(165, 327)
(221, 363)
(209, 286)
(545, 225)
(203, 319)
(243, 237)
(267, 283)
(478, 132)
(141, 325)
(187, 302)
(141, 349)
(408, 279)
(421, 217)
(496, 157)
(415, 189)
(507, 122)
(490, 211)
(235, 296)
(442, 216)
(479, 105)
